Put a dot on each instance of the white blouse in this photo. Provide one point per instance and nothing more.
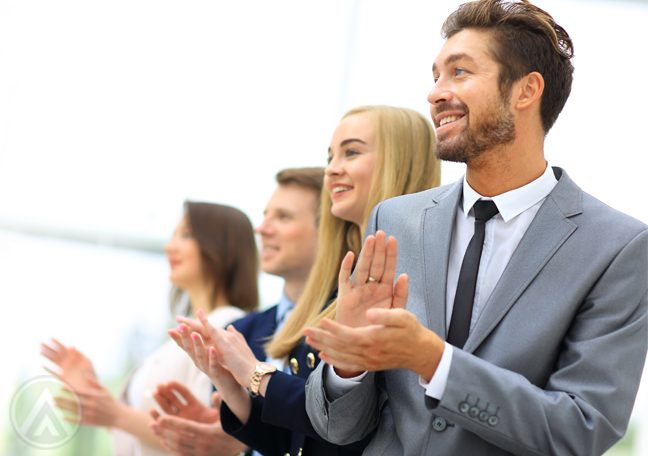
(169, 362)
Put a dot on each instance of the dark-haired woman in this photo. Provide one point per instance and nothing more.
(213, 259)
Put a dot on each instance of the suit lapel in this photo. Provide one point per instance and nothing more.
(550, 228)
(436, 234)
(263, 331)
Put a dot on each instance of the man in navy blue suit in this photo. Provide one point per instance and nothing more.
(288, 248)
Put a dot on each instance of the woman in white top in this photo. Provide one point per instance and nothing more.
(214, 262)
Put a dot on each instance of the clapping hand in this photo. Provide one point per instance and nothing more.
(198, 432)
(75, 367)
(373, 330)
(373, 282)
(188, 407)
(191, 338)
(99, 407)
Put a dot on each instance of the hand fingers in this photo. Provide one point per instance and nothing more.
(390, 317)
(347, 334)
(176, 335)
(60, 345)
(344, 277)
(186, 342)
(50, 353)
(171, 398)
(154, 414)
(164, 403)
(345, 362)
(183, 391)
(192, 324)
(364, 262)
(67, 404)
(93, 381)
(215, 365)
(326, 341)
(55, 374)
(201, 357)
(401, 292)
(178, 424)
(377, 267)
(391, 258)
(171, 437)
(208, 328)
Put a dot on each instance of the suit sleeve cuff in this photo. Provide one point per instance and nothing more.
(437, 385)
(336, 386)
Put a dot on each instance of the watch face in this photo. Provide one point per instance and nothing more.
(267, 368)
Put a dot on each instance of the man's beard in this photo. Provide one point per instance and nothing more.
(497, 129)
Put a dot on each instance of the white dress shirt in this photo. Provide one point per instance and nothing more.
(504, 232)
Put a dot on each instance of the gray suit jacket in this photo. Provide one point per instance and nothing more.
(553, 363)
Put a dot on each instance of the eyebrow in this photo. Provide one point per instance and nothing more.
(453, 58)
(347, 141)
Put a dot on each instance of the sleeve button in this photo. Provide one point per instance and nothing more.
(464, 407)
(493, 420)
(474, 412)
(483, 416)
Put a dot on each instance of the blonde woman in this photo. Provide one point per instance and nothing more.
(376, 153)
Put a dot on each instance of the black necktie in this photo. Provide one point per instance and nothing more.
(463, 304)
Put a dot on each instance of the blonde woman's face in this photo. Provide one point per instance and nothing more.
(183, 254)
(351, 158)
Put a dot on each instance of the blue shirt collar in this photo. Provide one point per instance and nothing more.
(285, 305)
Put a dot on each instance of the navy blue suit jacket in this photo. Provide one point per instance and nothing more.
(278, 423)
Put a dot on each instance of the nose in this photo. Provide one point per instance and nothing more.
(264, 228)
(440, 93)
(334, 168)
(170, 245)
(167, 247)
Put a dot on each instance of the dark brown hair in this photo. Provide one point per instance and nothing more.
(527, 40)
(308, 178)
(228, 252)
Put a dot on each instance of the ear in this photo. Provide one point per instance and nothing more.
(529, 90)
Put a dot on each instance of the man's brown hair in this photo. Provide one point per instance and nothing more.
(527, 40)
(308, 178)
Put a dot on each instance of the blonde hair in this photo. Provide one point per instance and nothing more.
(405, 163)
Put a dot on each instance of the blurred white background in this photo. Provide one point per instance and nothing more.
(113, 113)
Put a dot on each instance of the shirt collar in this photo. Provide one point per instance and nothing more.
(284, 306)
(513, 203)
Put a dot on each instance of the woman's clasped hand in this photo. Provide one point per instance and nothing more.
(223, 355)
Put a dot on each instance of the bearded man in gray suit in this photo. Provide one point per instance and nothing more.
(517, 324)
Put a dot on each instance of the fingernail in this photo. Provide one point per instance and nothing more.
(211, 350)
(200, 312)
(181, 328)
(194, 337)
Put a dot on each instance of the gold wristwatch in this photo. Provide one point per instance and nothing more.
(260, 370)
